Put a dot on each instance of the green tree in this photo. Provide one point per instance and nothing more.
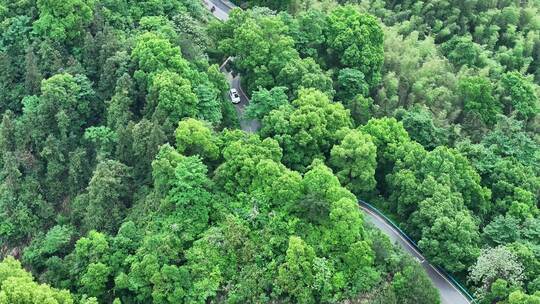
(261, 48)
(195, 137)
(65, 104)
(525, 253)
(24, 210)
(188, 201)
(264, 101)
(209, 104)
(321, 189)
(361, 108)
(143, 144)
(411, 285)
(171, 284)
(108, 196)
(509, 139)
(387, 134)
(502, 230)
(207, 266)
(416, 74)
(53, 156)
(355, 40)
(33, 75)
(351, 82)
(63, 20)
(163, 168)
(462, 50)
(17, 286)
(307, 129)
(88, 265)
(103, 139)
(309, 36)
(432, 201)
(7, 133)
(154, 53)
(452, 241)
(56, 242)
(15, 39)
(520, 95)
(305, 73)
(517, 297)
(421, 127)
(296, 274)
(355, 160)
(447, 167)
(241, 155)
(119, 107)
(478, 99)
(345, 230)
(94, 280)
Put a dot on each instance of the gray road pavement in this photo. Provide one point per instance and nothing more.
(247, 125)
(221, 10)
(449, 293)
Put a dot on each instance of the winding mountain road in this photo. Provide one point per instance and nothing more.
(450, 293)
(221, 11)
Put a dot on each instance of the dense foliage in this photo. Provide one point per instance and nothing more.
(124, 177)
(452, 111)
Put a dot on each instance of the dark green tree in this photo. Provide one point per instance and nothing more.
(108, 196)
(519, 95)
(478, 100)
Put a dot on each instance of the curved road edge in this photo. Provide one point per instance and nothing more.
(449, 291)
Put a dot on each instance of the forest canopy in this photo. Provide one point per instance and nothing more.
(126, 175)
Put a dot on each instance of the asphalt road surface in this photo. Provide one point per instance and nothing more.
(449, 293)
(221, 10)
(245, 124)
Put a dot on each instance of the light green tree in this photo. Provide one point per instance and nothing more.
(17, 286)
(296, 276)
(496, 263)
(63, 20)
(263, 101)
(355, 161)
(355, 40)
(307, 129)
(170, 99)
(196, 137)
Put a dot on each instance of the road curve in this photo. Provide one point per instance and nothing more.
(221, 11)
(450, 294)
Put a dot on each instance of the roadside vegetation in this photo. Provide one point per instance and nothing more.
(124, 177)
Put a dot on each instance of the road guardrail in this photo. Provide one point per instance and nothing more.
(451, 278)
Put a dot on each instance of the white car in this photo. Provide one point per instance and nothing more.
(235, 98)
